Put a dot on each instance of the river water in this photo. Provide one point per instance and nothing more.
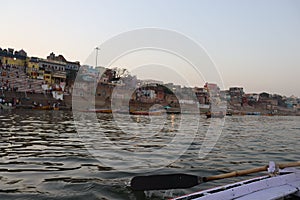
(46, 155)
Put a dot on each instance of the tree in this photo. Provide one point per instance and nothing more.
(264, 95)
(120, 73)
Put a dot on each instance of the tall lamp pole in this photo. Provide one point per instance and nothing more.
(97, 49)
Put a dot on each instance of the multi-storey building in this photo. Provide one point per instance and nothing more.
(236, 95)
(52, 71)
(14, 58)
(32, 68)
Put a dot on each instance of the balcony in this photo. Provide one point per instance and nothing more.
(59, 74)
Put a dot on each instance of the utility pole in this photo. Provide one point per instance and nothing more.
(97, 49)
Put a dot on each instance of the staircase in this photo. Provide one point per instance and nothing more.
(14, 77)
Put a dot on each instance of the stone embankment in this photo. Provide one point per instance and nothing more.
(27, 99)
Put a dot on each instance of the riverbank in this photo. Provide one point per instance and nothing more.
(27, 101)
(262, 110)
(30, 100)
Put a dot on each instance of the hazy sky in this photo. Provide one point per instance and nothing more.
(254, 43)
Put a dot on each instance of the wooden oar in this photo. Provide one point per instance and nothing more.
(180, 181)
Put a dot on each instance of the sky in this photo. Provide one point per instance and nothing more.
(254, 44)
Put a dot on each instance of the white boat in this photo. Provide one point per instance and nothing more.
(285, 184)
(282, 181)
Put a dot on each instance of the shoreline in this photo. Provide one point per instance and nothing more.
(26, 102)
(174, 112)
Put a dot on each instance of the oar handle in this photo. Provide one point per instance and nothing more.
(249, 171)
(236, 173)
(291, 164)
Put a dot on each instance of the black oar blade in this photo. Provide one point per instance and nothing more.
(164, 182)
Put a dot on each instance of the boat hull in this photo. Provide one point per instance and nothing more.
(42, 108)
(214, 115)
(97, 110)
(145, 112)
(265, 187)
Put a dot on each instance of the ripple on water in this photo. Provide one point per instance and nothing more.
(43, 157)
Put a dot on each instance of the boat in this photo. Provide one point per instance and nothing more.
(42, 107)
(97, 110)
(214, 114)
(172, 110)
(142, 112)
(55, 108)
(281, 182)
(269, 114)
(6, 107)
(103, 111)
(285, 184)
(229, 112)
(253, 113)
(216, 111)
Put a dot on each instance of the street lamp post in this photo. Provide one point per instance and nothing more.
(97, 49)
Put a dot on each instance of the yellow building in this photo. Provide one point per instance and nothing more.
(14, 61)
(52, 70)
(11, 57)
(42, 69)
(48, 77)
(32, 69)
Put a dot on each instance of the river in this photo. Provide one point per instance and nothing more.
(46, 155)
